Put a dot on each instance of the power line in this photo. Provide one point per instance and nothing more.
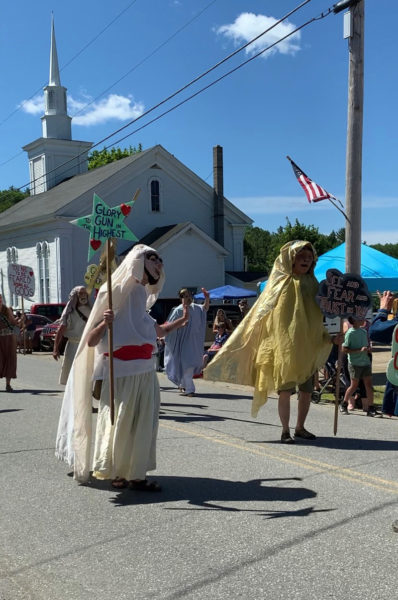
(211, 84)
(66, 65)
(141, 62)
(218, 64)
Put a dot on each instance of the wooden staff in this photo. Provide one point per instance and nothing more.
(110, 330)
(337, 387)
(23, 328)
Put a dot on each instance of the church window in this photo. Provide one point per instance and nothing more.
(50, 99)
(155, 195)
(43, 253)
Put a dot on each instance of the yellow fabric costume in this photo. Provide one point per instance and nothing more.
(282, 341)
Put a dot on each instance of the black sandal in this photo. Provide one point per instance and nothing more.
(286, 438)
(143, 485)
(119, 483)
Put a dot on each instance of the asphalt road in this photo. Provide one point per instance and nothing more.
(241, 516)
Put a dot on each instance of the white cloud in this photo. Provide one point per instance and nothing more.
(113, 107)
(33, 106)
(248, 25)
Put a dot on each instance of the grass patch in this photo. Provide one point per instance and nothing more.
(378, 393)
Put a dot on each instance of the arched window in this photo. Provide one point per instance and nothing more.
(12, 258)
(43, 253)
(155, 195)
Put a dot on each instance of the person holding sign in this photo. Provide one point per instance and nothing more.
(73, 320)
(282, 342)
(8, 345)
(125, 450)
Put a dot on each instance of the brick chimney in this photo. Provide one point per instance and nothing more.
(218, 184)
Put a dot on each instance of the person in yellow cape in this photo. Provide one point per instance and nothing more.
(282, 342)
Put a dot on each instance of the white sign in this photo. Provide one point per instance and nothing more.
(21, 280)
(332, 325)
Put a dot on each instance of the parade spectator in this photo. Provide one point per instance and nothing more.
(126, 450)
(8, 345)
(356, 346)
(381, 331)
(222, 319)
(243, 307)
(73, 321)
(282, 342)
(183, 356)
(220, 339)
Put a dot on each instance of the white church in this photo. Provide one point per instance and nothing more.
(197, 231)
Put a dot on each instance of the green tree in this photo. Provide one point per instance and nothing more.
(256, 248)
(262, 247)
(98, 158)
(11, 196)
(390, 249)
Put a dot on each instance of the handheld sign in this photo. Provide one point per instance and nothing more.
(104, 224)
(392, 368)
(342, 295)
(21, 280)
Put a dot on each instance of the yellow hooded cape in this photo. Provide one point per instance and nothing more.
(282, 341)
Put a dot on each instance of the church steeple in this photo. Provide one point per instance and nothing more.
(55, 156)
(55, 122)
(54, 78)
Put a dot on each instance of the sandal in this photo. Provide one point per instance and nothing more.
(286, 438)
(304, 434)
(119, 483)
(143, 485)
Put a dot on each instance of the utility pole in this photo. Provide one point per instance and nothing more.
(354, 135)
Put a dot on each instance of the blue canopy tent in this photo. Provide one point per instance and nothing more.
(227, 292)
(379, 270)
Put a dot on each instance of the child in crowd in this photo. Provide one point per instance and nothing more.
(220, 339)
(358, 349)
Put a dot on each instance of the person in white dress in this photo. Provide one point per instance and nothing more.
(126, 450)
(73, 321)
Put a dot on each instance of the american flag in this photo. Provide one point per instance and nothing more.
(313, 191)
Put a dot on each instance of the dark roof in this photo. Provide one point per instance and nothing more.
(56, 199)
(248, 276)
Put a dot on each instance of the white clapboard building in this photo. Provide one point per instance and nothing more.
(198, 232)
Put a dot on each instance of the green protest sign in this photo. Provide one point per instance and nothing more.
(106, 222)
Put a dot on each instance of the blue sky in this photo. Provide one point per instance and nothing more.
(119, 59)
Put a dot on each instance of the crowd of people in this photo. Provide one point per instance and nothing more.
(280, 344)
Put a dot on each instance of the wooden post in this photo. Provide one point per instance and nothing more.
(337, 387)
(110, 330)
(23, 329)
(354, 140)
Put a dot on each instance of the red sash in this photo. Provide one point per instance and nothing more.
(133, 352)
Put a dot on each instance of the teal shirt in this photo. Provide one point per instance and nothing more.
(355, 339)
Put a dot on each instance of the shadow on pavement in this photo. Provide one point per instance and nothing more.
(37, 392)
(4, 410)
(182, 416)
(337, 444)
(207, 493)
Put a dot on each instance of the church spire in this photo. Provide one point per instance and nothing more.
(55, 156)
(54, 78)
(56, 123)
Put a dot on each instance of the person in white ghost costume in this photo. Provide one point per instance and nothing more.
(126, 450)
